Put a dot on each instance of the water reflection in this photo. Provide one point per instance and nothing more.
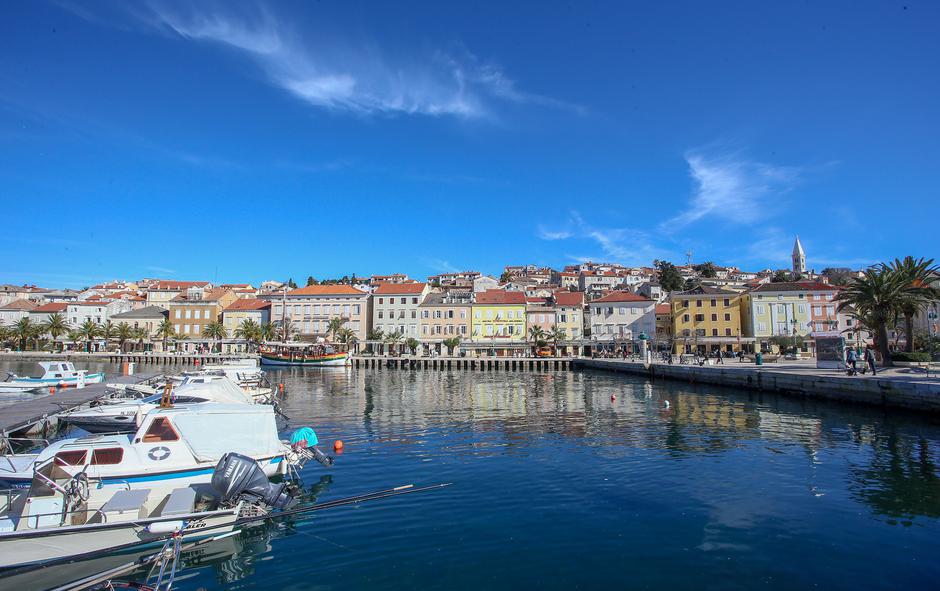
(546, 464)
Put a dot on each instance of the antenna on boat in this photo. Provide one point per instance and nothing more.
(284, 314)
(166, 401)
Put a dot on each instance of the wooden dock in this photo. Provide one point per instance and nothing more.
(465, 363)
(39, 415)
(158, 359)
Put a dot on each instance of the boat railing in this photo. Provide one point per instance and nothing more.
(26, 443)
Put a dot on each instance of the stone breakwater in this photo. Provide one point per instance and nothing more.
(892, 391)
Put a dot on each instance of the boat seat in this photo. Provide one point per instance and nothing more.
(125, 505)
(180, 502)
(7, 525)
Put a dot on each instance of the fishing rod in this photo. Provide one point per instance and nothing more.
(151, 558)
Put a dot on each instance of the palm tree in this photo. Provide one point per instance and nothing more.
(124, 332)
(334, 326)
(285, 330)
(267, 332)
(75, 335)
(215, 330)
(451, 344)
(556, 334)
(165, 331)
(138, 334)
(374, 334)
(24, 330)
(393, 338)
(249, 331)
(537, 336)
(875, 296)
(412, 344)
(914, 277)
(4, 333)
(89, 331)
(107, 331)
(55, 326)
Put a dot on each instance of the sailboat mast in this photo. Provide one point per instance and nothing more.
(284, 314)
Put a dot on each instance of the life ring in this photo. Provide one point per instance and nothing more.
(161, 452)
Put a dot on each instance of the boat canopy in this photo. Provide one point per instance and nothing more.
(211, 430)
(221, 390)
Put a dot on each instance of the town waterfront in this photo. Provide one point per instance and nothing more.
(589, 479)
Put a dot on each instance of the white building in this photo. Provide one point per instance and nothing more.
(395, 307)
(14, 311)
(622, 315)
(485, 282)
(99, 312)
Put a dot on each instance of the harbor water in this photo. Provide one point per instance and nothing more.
(590, 480)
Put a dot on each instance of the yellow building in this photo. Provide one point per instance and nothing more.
(193, 309)
(498, 317)
(705, 320)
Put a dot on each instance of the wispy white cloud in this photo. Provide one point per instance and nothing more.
(629, 246)
(351, 78)
(439, 265)
(161, 270)
(546, 234)
(731, 188)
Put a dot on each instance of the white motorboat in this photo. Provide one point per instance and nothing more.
(125, 417)
(62, 516)
(55, 374)
(172, 447)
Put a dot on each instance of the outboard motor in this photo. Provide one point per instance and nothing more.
(238, 476)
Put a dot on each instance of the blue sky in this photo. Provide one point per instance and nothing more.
(240, 141)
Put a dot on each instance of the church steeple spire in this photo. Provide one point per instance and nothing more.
(799, 258)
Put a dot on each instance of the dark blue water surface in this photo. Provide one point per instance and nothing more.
(557, 486)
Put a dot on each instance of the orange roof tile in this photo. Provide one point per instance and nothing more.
(621, 296)
(53, 307)
(399, 288)
(569, 298)
(248, 304)
(326, 290)
(500, 297)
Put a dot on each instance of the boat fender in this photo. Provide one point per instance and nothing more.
(305, 436)
(166, 527)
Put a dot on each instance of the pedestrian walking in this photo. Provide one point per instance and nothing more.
(851, 358)
(870, 359)
(719, 357)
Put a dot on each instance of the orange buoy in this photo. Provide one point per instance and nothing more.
(52, 390)
(280, 388)
(613, 397)
(337, 445)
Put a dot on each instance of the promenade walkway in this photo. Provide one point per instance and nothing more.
(895, 387)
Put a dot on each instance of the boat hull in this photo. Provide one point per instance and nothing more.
(29, 546)
(33, 383)
(334, 360)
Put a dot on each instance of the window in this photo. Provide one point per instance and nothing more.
(355, 309)
(727, 302)
(424, 329)
(160, 430)
(761, 326)
(760, 309)
(463, 329)
(802, 308)
(71, 458)
(346, 310)
(197, 314)
(404, 301)
(380, 314)
(463, 314)
(316, 309)
(714, 317)
(727, 332)
(414, 313)
(727, 317)
(306, 309)
(424, 313)
(622, 310)
(106, 456)
(714, 303)
(634, 311)
(685, 303)
(714, 332)
(698, 303)
(381, 301)
(685, 318)
(699, 317)
(336, 309)
(178, 315)
(414, 301)
(189, 314)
